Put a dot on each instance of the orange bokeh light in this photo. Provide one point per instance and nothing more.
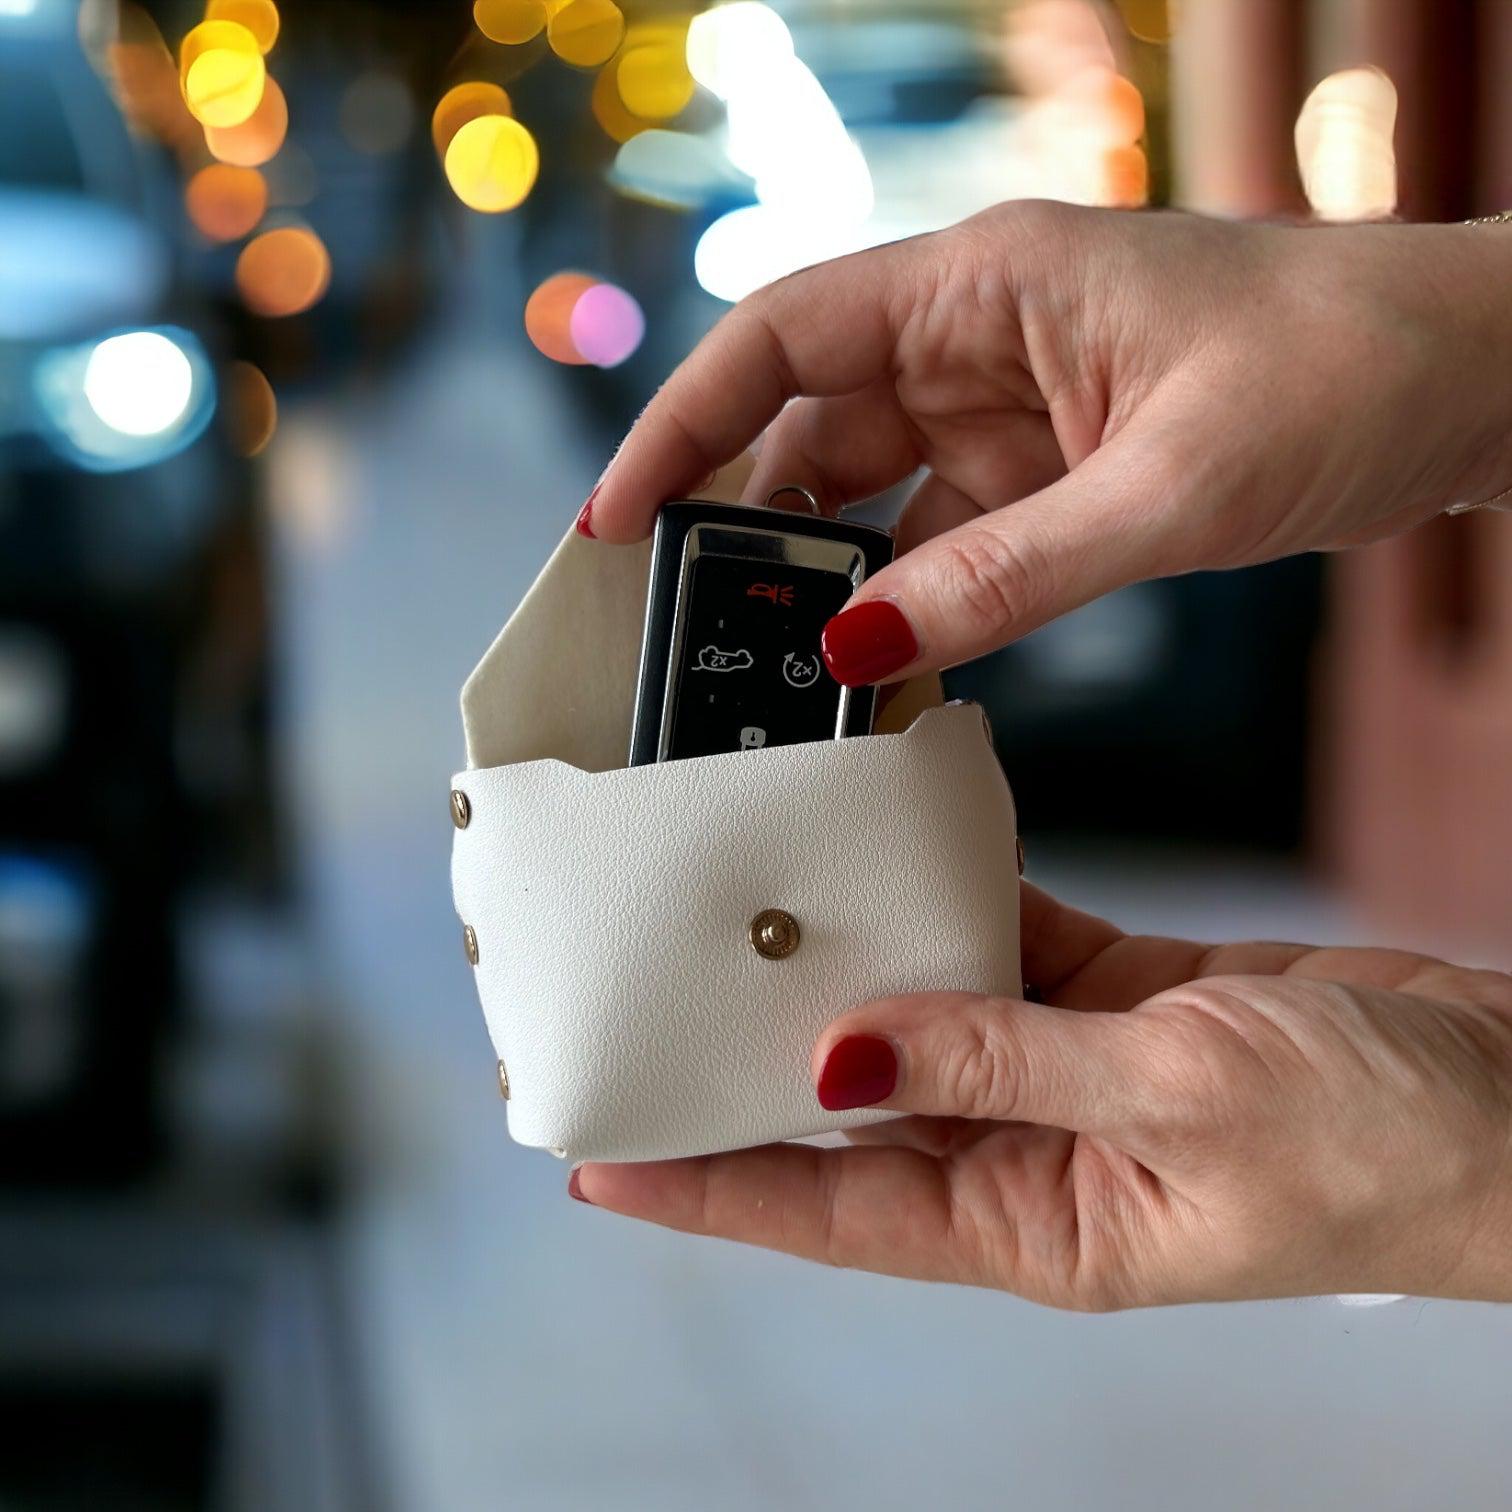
(258, 138)
(260, 17)
(283, 272)
(1126, 177)
(463, 103)
(250, 409)
(225, 202)
(510, 22)
(610, 111)
(586, 33)
(548, 316)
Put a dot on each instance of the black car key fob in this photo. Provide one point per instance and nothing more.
(738, 598)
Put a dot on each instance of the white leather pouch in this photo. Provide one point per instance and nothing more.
(608, 910)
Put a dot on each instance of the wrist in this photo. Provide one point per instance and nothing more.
(1454, 290)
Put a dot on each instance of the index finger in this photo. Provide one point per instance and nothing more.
(828, 330)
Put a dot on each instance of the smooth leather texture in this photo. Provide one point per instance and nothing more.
(612, 906)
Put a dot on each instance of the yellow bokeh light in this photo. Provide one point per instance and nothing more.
(283, 272)
(257, 139)
(491, 163)
(548, 316)
(222, 73)
(463, 103)
(250, 408)
(654, 82)
(1148, 20)
(260, 17)
(1345, 148)
(609, 109)
(511, 22)
(586, 32)
(225, 202)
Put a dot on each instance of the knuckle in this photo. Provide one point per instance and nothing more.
(988, 582)
(981, 1076)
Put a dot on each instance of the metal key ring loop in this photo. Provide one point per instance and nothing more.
(793, 488)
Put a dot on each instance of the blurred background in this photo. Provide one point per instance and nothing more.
(317, 321)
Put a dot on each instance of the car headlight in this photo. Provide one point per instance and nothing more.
(127, 400)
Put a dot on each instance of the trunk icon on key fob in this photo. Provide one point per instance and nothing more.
(746, 592)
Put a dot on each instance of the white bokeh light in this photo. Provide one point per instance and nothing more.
(139, 384)
(738, 46)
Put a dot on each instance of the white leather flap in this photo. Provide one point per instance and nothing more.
(612, 907)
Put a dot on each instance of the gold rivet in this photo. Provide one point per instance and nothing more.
(503, 1082)
(461, 808)
(1018, 847)
(470, 944)
(774, 934)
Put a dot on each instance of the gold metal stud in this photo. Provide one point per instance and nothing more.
(470, 944)
(461, 808)
(774, 934)
(503, 1082)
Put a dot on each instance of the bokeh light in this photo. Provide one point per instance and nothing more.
(250, 408)
(1148, 20)
(654, 81)
(609, 109)
(260, 17)
(257, 139)
(739, 44)
(139, 383)
(283, 271)
(586, 33)
(376, 112)
(463, 103)
(224, 202)
(678, 169)
(548, 316)
(222, 72)
(128, 50)
(606, 325)
(1345, 150)
(511, 22)
(491, 163)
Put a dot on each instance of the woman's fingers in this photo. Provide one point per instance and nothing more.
(959, 1055)
(828, 330)
(1056, 942)
(885, 1210)
(1109, 522)
(841, 449)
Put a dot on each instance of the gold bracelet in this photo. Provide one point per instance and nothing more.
(1502, 217)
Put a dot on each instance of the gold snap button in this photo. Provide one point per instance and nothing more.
(774, 934)
(461, 808)
(503, 1082)
(470, 944)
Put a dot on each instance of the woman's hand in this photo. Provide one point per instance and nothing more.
(1183, 1124)
(1151, 394)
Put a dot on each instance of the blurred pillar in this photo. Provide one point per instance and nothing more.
(1426, 48)
(1235, 90)
(1416, 796)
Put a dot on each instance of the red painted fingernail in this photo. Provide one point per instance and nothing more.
(575, 1186)
(859, 1071)
(585, 515)
(867, 643)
